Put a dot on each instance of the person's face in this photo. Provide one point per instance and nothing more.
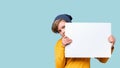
(61, 28)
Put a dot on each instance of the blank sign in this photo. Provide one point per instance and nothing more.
(88, 40)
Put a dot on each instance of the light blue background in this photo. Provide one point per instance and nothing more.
(26, 40)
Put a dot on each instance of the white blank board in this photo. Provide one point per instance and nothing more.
(88, 40)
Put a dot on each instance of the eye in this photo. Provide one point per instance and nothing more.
(63, 27)
(59, 31)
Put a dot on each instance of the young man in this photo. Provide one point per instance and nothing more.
(58, 26)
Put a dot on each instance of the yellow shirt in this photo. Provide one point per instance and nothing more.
(62, 62)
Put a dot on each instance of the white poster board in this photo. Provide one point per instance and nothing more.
(88, 40)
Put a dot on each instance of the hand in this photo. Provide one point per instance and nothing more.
(111, 39)
(66, 40)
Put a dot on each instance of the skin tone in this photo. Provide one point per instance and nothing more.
(61, 31)
(66, 40)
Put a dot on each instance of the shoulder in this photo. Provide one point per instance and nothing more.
(59, 43)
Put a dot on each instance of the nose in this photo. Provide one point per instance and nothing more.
(63, 32)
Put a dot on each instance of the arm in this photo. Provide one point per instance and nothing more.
(60, 52)
(59, 55)
(111, 39)
(104, 60)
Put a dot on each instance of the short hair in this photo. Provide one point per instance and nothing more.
(58, 19)
(55, 25)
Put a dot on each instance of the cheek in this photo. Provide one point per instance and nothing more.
(61, 34)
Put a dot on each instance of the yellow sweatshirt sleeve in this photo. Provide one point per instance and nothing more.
(59, 55)
(104, 60)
